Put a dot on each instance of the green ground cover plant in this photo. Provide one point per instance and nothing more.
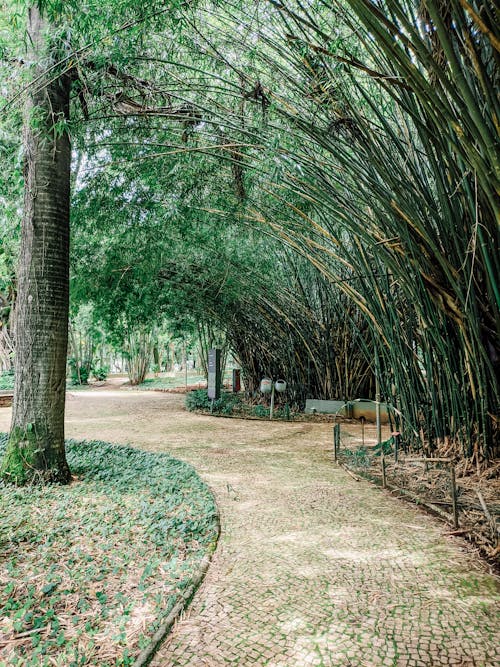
(198, 400)
(88, 571)
(234, 405)
(6, 381)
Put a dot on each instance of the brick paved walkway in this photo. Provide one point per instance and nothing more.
(313, 568)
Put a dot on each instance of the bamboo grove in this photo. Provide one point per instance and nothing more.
(391, 184)
(361, 138)
(316, 181)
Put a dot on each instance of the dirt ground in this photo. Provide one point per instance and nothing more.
(313, 567)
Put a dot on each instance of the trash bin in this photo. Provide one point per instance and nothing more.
(266, 384)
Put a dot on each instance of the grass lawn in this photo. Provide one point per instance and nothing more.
(168, 382)
(178, 380)
(88, 571)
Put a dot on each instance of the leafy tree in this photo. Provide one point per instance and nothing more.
(36, 444)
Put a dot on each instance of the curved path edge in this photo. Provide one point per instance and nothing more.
(148, 653)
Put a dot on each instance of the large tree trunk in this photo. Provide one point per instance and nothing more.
(35, 451)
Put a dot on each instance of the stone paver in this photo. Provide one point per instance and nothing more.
(313, 568)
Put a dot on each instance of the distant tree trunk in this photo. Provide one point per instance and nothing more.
(6, 349)
(35, 451)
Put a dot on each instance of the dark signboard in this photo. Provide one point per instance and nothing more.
(214, 374)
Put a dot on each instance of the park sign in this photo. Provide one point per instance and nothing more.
(214, 373)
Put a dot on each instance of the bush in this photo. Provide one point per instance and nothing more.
(198, 400)
(260, 411)
(283, 413)
(227, 403)
(384, 447)
(79, 372)
(100, 372)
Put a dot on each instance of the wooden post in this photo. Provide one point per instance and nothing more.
(454, 495)
(384, 479)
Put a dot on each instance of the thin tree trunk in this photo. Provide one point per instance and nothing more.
(139, 356)
(35, 452)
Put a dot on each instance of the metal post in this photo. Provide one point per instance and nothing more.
(336, 441)
(271, 409)
(453, 495)
(377, 398)
(384, 478)
(396, 437)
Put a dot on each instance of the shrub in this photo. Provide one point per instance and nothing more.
(384, 447)
(198, 400)
(227, 403)
(260, 411)
(79, 372)
(100, 372)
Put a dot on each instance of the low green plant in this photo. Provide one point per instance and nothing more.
(260, 411)
(227, 403)
(356, 458)
(100, 372)
(281, 413)
(384, 447)
(80, 371)
(139, 526)
(7, 380)
(199, 400)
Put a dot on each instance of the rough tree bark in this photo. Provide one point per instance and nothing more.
(35, 450)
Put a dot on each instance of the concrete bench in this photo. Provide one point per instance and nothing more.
(351, 409)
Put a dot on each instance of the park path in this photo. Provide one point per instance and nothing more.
(312, 568)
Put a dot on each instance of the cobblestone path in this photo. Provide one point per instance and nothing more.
(312, 568)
